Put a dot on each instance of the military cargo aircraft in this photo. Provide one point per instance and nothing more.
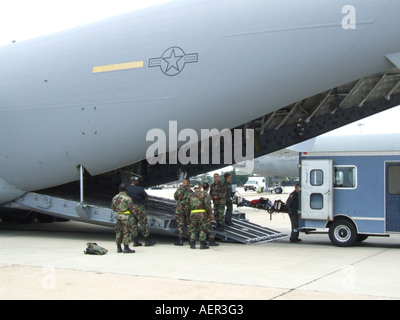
(79, 104)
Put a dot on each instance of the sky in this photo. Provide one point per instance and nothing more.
(25, 19)
(384, 122)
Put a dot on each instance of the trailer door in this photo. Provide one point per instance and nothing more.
(393, 196)
(317, 189)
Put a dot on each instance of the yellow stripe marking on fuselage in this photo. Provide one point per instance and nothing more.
(119, 67)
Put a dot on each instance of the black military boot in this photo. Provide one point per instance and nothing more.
(127, 249)
(119, 248)
(179, 242)
(149, 243)
(203, 245)
(136, 242)
(192, 244)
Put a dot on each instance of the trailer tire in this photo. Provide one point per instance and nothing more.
(343, 233)
(278, 190)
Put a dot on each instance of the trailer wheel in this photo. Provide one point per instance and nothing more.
(343, 233)
(278, 190)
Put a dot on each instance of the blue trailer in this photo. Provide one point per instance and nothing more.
(352, 194)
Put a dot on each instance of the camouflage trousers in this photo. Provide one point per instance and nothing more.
(210, 230)
(124, 229)
(219, 210)
(141, 217)
(182, 220)
(198, 226)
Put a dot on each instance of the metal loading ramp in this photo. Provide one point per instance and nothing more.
(161, 210)
(160, 215)
(243, 231)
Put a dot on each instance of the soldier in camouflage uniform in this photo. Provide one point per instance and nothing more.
(198, 202)
(218, 194)
(124, 227)
(182, 210)
(209, 217)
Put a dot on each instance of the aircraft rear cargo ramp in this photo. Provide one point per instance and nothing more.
(160, 213)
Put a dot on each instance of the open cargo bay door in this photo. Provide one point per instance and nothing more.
(317, 189)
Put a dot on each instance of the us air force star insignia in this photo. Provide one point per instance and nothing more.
(173, 61)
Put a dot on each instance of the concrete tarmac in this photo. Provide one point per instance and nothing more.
(46, 261)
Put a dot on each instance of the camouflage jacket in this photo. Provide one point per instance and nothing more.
(181, 195)
(198, 200)
(208, 208)
(218, 192)
(122, 203)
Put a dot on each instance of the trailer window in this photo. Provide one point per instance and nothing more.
(317, 177)
(345, 177)
(316, 201)
(394, 180)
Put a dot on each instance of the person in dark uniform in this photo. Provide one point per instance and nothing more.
(229, 195)
(139, 196)
(292, 205)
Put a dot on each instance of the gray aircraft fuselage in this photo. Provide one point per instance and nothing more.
(88, 96)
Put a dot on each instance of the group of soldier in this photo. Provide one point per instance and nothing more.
(193, 211)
